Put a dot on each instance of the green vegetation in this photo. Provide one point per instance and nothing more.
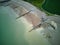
(37, 3)
(52, 6)
(49, 6)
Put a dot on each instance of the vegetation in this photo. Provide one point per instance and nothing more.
(37, 3)
(51, 6)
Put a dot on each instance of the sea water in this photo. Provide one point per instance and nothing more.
(15, 32)
(12, 32)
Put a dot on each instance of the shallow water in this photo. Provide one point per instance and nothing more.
(14, 32)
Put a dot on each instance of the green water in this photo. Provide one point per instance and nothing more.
(14, 32)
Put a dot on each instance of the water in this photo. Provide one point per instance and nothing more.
(14, 32)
